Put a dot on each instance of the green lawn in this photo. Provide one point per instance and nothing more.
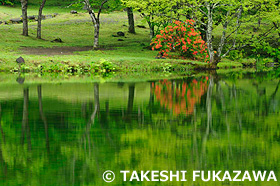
(77, 31)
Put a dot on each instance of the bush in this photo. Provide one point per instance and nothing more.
(181, 38)
(7, 2)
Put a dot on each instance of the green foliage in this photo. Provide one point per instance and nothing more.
(233, 20)
(107, 7)
(235, 55)
(103, 66)
(266, 49)
(7, 2)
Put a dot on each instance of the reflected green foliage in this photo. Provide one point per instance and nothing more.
(69, 134)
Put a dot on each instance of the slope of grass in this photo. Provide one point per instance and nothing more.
(77, 31)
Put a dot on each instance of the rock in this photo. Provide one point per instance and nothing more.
(159, 57)
(16, 20)
(3, 22)
(48, 16)
(73, 12)
(141, 26)
(58, 40)
(120, 40)
(20, 60)
(43, 17)
(55, 14)
(121, 34)
(31, 17)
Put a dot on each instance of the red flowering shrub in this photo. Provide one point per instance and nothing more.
(181, 38)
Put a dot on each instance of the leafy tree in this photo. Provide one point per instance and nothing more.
(235, 19)
(151, 10)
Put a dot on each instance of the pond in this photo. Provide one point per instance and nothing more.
(71, 133)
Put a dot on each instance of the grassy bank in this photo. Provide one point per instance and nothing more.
(76, 32)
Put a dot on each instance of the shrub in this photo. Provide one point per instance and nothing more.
(6, 2)
(181, 38)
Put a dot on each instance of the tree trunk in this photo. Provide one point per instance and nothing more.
(152, 30)
(24, 17)
(40, 19)
(131, 28)
(95, 20)
(209, 32)
(96, 34)
(223, 38)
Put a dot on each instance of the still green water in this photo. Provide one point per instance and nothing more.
(70, 133)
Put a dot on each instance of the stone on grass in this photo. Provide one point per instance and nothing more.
(20, 60)
(121, 34)
(73, 12)
(141, 26)
(31, 17)
(58, 40)
(16, 20)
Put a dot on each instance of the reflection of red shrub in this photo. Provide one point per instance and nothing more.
(180, 98)
(182, 38)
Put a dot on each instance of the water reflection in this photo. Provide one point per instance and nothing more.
(180, 97)
(69, 134)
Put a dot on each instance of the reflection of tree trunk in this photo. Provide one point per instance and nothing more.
(86, 136)
(209, 105)
(1, 129)
(2, 162)
(220, 95)
(209, 118)
(96, 97)
(130, 99)
(272, 97)
(151, 101)
(276, 90)
(95, 111)
(237, 107)
(107, 109)
(73, 170)
(39, 88)
(197, 163)
(25, 114)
